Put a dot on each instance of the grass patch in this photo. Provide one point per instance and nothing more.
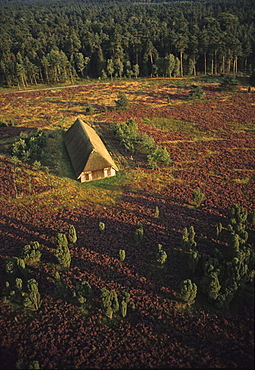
(144, 180)
(244, 180)
(174, 125)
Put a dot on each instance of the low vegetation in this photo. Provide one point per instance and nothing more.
(129, 269)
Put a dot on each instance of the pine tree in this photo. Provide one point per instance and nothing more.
(60, 286)
(32, 253)
(229, 83)
(188, 238)
(188, 291)
(161, 255)
(62, 251)
(83, 293)
(71, 235)
(110, 302)
(33, 298)
(196, 92)
(124, 299)
(197, 197)
(139, 232)
(122, 103)
(210, 285)
(193, 259)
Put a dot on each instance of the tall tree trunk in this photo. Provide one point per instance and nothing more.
(181, 66)
(205, 67)
(235, 68)
(223, 64)
(215, 62)
(228, 65)
(194, 67)
(151, 58)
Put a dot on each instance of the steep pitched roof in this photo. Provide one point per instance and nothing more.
(86, 150)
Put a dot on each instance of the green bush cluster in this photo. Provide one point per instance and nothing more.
(83, 293)
(29, 148)
(3, 123)
(32, 298)
(30, 365)
(112, 303)
(222, 273)
(128, 135)
(158, 154)
(32, 253)
(188, 238)
(196, 92)
(19, 289)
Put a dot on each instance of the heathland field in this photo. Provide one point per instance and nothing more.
(210, 142)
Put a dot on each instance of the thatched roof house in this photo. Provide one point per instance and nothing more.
(88, 154)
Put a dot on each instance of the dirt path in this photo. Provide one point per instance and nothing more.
(44, 89)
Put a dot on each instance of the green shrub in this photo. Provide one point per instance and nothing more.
(147, 142)
(156, 215)
(32, 300)
(83, 293)
(62, 251)
(71, 234)
(188, 291)
(124, 299)
(229, 82)
(138, 232)
(196, 92)
(197, 197)
(90, 109)
(159, 154)
(31, 365)
(32, 253)
(193, 259)
(161, 255)
(109, 301)
(101, 227)
(30, 148)
(188, 238)
(60, 286)
(122, 255)
(210, 285)
(16, 267)
(122, 102)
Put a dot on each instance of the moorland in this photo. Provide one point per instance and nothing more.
(210, 141)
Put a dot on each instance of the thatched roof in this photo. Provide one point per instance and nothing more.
(86, 150)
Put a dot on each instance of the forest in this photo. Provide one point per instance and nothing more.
(51, 42)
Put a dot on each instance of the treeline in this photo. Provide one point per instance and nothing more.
(61, 41)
